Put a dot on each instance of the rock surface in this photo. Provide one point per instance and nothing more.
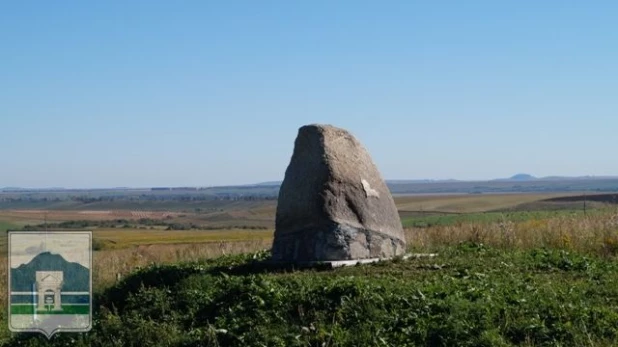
(333, 203)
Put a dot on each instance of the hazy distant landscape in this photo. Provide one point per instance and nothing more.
(520, 183)
(161, 246)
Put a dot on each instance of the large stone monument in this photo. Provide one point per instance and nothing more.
(333, 203)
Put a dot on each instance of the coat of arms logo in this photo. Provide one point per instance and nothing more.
(50, 281)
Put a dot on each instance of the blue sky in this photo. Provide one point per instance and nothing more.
(164, 93)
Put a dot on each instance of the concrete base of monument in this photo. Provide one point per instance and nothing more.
(340, 263)
(352, 262)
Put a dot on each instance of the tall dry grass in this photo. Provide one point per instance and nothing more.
(111, 265)
(596, 233)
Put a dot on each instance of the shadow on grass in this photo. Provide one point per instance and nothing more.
(115, 297)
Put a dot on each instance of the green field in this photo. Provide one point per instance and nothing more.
(4, 225)
(423, 221)
(66, 309)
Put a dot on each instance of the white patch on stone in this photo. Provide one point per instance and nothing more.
(368, 190)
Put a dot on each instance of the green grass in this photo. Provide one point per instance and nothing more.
(487, 217)
(4, 226)
(470, 295)
(66, 309)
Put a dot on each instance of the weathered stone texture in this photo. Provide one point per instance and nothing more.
(333, 203)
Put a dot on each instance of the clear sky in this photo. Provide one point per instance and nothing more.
(200, 93)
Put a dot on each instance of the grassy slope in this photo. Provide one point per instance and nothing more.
(427, 277)
(469, 295)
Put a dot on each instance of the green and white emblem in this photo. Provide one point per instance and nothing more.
(50, 281)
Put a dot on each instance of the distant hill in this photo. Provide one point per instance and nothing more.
(522, 177)
(76, 276)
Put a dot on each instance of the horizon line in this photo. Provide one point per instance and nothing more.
(275, 182)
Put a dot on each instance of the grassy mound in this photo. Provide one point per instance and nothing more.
(470, 295)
